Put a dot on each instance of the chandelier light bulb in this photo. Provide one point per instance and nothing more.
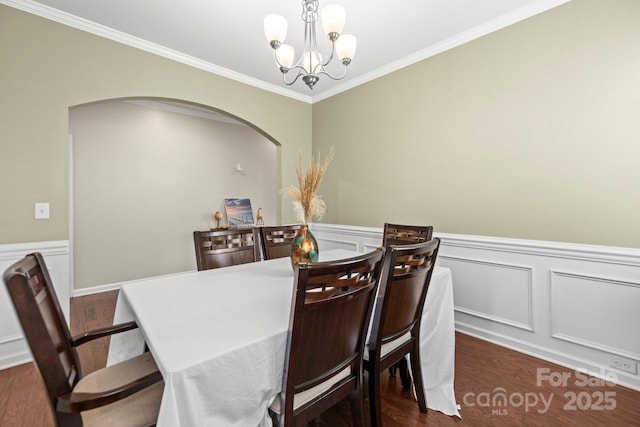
(285, 55)
(333, 18)
(311, 62)
(346, 47)
(275, 29)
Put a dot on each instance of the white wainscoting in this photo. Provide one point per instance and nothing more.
(574, 305)
(13, 347)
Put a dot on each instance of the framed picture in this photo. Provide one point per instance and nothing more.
(239, 212)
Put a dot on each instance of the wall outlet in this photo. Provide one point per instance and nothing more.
(624, 364)
(42, 211)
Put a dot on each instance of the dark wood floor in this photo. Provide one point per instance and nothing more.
(484, 373)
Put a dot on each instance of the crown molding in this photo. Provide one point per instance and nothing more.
(129, 40)
(450, 43)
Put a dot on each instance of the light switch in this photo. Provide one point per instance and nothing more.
(42, 210)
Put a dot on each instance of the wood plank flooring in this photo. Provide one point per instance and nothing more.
(484, 373)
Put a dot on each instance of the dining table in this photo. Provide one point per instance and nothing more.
(219, 338)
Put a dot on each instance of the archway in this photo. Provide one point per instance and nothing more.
(148, 172)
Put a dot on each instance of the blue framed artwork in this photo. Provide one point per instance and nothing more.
(239, 212)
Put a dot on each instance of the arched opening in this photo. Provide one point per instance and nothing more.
(146, 173)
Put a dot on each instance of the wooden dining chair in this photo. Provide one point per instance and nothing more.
(222, 248)
(400, 234)
(396, 234)
(276, 241)
(329, 319)
(395, 328)
(127, 393)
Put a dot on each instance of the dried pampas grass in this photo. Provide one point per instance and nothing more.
(306, 202)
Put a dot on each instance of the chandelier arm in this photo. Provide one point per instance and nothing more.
(275, 58)
(326, 73)
(300, 69)
(333, 49)
(284, 78)
(297, 65)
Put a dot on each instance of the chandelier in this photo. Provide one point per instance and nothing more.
(310, 65)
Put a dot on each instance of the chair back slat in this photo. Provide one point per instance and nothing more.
(222, 248)
(396, 234)
(43, 323)
(276, 241)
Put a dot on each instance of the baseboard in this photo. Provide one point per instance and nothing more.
(561, 359)
(13, 352)
(118, 285)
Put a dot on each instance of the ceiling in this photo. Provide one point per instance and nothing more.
(227, 37)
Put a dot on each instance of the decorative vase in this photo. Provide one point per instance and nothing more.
(304, 248)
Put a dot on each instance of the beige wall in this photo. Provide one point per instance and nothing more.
(530, 132)
(48, 68)
(145, 178)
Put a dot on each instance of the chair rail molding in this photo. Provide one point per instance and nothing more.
(572, 304)
(14, 349)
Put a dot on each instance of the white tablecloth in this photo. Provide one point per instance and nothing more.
(219, 338)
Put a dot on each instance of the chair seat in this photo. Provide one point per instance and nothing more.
(306, 396)
(139, 409)
(390, 346)
(54, 351)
